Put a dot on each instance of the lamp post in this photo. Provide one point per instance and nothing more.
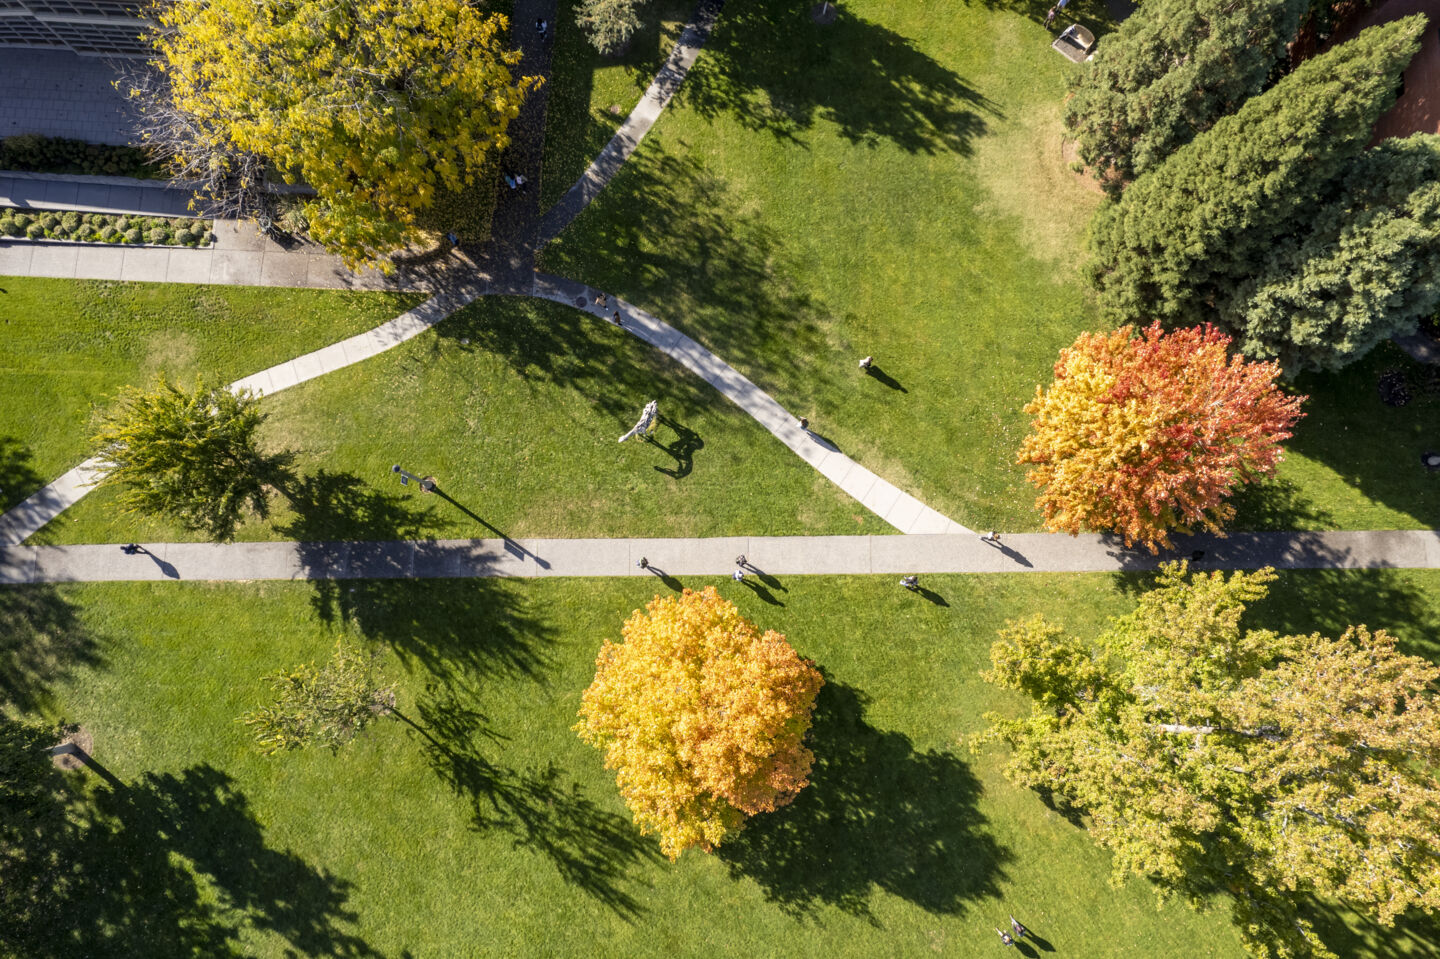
(427, 484)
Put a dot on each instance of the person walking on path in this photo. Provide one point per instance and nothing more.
(741, 561)
(618, 321)
(643, 563)
(992, 538)
(804, 424)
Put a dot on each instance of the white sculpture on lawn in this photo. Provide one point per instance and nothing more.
(646, 425)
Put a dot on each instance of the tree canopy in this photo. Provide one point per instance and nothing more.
(1168, 73)
(1367, 267)
(192, 454)
(377, 105)
(1145, 433)
(1181, 238)
(1216, 760)
(321, 705)
(702, 717)
(609, 23)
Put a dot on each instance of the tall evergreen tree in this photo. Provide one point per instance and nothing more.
(1368, 269)
(1170, 71)
(1182, 238)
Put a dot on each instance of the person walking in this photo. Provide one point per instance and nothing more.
(1018, 929)
(618, 321)
(1050, 16)
(1005, 939)
(804, 424)
(992, 537)
(739, 575)
(643, 563)
(866, 363)
(741, 561)
(911, 583)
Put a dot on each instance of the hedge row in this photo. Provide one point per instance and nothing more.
(36, 154)
(105, 228)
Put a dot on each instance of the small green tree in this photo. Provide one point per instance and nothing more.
(609, 23)
(187, 453)
(1366, 269)
(322, 705)
(1181, 238)
(1168, 73)
(1215, 760)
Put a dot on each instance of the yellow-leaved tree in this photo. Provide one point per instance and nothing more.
(702, 717)
(376, 104)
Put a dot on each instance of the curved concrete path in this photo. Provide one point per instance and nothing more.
(27, 518)
(633, 130)
(768, 556)
(894, 506)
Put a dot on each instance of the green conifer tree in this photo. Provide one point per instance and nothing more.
(1182, 238)
(1170, 71)
(1368, 269)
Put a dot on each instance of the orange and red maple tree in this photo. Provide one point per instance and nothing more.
(702, 717)
(1144, 433)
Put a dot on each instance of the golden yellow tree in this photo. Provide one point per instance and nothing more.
(702, 717)
(377, 104)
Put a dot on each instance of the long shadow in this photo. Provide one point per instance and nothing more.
(876, 815)
(772, 69)
(1328, 600)
(172, 865)
(43, 642)
(1373, 447)
(16, 473)
(332, 506)
(880, 376)
(593, 849)
(511, 546)
(687, 443)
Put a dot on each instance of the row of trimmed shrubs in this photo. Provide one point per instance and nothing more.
(38, 154)
(105, 228)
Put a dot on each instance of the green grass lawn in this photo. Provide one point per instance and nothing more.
(67, 345)
(515, 405)
(895, 185)
(495, 832)
(590, 95)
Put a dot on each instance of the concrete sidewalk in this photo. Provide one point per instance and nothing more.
(603, 169)
(671, 558)
(95, 194)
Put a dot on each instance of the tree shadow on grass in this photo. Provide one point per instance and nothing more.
(592, 849)
(1277, 504)
(43, 642)
(332, 506)
(17, 475)
(456, 629)
(876, 815)
(1328, 601)
(453, 628)
(1350, 934)
(771, 68)
(1373, 447)
(550, 343)
(677, 230)
(177, 865)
